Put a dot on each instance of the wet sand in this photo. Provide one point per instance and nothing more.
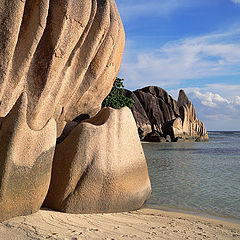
(145, 223)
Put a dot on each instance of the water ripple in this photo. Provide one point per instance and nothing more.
(200, 176)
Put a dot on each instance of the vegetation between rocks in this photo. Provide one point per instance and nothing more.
(116, 98)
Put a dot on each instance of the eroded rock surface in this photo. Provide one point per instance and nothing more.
(64, 54)
(26, 162)
(58, 60)
(100, 166)
(158, 115)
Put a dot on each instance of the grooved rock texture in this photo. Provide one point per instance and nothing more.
(100, 166)
(26, 162)
(58, 60)
(158, 115)
(64, 54)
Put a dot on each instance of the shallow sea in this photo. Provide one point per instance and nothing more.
(192, 176)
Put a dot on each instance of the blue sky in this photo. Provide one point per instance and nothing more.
(186, 44)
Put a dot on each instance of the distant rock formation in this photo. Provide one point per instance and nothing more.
(58, 60)
(159, 116)
(100, 166)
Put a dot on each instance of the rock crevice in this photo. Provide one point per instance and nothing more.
(100, 166)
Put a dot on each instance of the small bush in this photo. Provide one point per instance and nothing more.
(116, 98)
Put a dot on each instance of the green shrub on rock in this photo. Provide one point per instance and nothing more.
(116, 98)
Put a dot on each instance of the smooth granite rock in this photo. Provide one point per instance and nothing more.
(192, 127)
(64, 54)
(26, 162)
(100, 166)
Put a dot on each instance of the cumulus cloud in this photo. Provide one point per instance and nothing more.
(210, 99)
(212, 105)
(228, 91)
(218, 112)
(192, 58)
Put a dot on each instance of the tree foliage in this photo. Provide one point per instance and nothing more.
(116, 98)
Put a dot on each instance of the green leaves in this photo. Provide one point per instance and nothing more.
(116, 98)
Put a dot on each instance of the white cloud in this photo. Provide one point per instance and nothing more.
(236, 1)
(210, 99)
(138, 8)
(216, 111)
(229, 91)
(237, 100)
(212, 104)
(192, 58)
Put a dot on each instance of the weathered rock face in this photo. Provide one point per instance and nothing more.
(100, 166)
(191, 126)
(64, 54)
(26, 162)
(157, 113)
(58, 59)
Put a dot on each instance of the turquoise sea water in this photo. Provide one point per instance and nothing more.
(203, 177)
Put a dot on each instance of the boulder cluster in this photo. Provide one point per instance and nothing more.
(160, 118)
(58, 61)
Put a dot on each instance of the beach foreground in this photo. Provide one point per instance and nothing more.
(141, 224)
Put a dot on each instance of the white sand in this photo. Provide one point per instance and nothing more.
(141, 224)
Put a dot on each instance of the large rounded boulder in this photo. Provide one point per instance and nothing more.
(100, 166)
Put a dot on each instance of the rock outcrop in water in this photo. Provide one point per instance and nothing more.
(58, 60)
(159, 117)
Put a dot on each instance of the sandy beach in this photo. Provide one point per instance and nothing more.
(145, 223)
